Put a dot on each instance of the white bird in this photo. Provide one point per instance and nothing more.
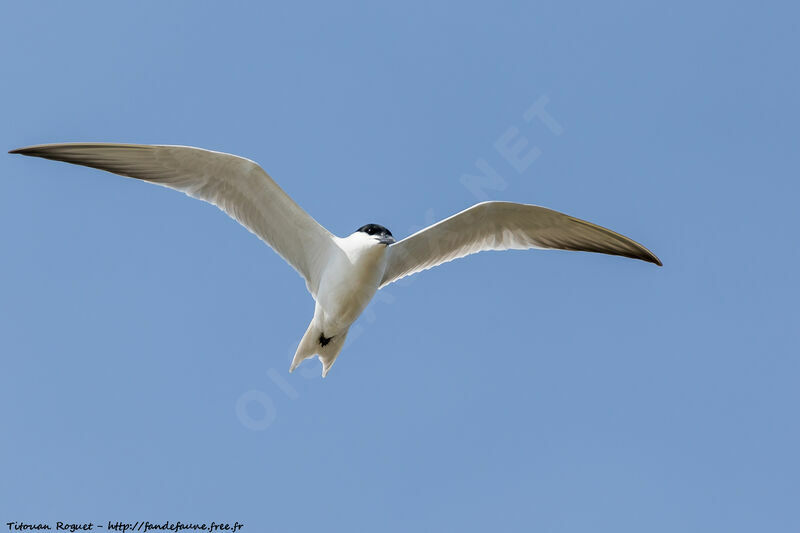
(342, 274)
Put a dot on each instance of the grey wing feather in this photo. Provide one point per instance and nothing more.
(238, 186)
(504, 226)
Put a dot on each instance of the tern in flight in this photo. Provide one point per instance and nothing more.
(341, 273)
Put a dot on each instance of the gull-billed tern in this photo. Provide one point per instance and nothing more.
(341, 273)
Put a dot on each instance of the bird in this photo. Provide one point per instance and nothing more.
(342, 274)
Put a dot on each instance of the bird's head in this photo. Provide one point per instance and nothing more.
(377, 233)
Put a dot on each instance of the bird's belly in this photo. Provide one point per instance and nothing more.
(346, 292)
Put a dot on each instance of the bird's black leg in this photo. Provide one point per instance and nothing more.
(323, 340)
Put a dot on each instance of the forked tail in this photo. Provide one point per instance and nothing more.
(314, 342)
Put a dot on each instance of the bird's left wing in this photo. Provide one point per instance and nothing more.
(236, 185)
(503, 226)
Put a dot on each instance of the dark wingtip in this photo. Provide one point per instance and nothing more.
(650, 257)
(29, 150)
(25, 150)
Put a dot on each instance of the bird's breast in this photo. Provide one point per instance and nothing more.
(349, 283)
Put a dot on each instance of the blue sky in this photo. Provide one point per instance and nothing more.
(145, 337)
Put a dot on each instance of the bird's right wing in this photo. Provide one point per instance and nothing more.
(236, 185)
(504, 226)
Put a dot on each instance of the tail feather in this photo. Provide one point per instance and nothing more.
(315, 342)
(306, 347)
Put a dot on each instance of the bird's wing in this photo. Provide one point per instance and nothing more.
(236, 185)
(503, 226)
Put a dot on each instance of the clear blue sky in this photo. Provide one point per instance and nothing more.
(522, 391)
